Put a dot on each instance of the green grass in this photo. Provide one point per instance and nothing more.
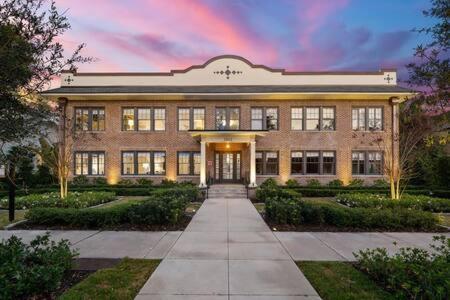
(4, 217)
(121, 282)
(259, 207)
(321, 200)
(193, 207)
(445, 219)
(123, 200)
(340, 280)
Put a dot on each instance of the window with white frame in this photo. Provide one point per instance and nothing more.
(297, 118)
(89, 163)
(328, 118)
(312, 118)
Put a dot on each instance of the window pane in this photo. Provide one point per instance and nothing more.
(374, 163)
(78, 164)
(234, 118)
(94, 164)
(196, 163)
(183, 119)
(328, 162)
(297, 118)
(128, 119)
(221, 118)
(98, 119)
(259, 162)
(297, 162)
(82, 119)
(85, 163)
(159, 163)
(144, 167)
(271, 163)
(375, 118)
(160, 119)
(183, 163)
(128, 163)
(257, 116)
(199, 118)
(312, 118)
(312, 162)
(272, 118)
(144, 118)
(328, 118)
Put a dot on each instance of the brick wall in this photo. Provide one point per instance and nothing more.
(343, 140)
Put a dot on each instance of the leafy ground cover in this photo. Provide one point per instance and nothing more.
(4, 217)
(120, 282)
(341, 281)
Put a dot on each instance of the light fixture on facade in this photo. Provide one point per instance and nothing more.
(228, 146)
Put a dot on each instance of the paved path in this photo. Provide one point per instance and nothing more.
(227, 252)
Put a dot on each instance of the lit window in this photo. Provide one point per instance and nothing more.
(184, 163)
(128, 119)
(183, 119)
(312, 118)
(144, 119)
(199, 118)
(227, 118)
(328, 118)
(89, 163)
(160, 119)
(159, 163)
(144, 163)
(90, 119)
(297, 118)
(128, 163)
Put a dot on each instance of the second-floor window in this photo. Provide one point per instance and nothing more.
(143, 119)
(191, 119)
(143, 163)
(315, 118)
(264, 118)
(90, 119)
(227, 118)
(89, 163)
(367, 118)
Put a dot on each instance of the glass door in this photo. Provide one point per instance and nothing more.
(227, 167)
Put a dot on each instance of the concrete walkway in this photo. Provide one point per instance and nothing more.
(227, 252)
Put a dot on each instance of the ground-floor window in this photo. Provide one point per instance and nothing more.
(367, 163)
(188, 163)
(90, 163)
(143, 163)
(313, 162)
(267, 162)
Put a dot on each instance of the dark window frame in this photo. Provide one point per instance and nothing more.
(191, 117)
(366, 118)
(302, 118)
(321, 118)
(136, 164)
(366, 163)
(90, 109)
(227, 117)
(264, 162)
(264, 117)
(89, 153)
(304, 163)
(136, 118)
(191, 163)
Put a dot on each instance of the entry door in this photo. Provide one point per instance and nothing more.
(228, 166)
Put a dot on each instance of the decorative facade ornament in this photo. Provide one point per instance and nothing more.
(69, 80)
(388, 78)
(228, 72)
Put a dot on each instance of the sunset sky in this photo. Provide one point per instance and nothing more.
(159, 35)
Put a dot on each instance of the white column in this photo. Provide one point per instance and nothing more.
(202, 164)
(252, 164)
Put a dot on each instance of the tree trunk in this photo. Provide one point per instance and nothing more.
(392, 182)
(12, 192)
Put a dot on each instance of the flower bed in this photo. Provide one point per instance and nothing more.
(73, 200)
(418, 202)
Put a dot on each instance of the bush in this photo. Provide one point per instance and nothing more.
(99, 181)
(283, 207)
(144, 181)
(269, 183)
(313, 183)
(335, 183)
(126, 182)
(33, 270)
(80, 180)
(356, 183)
(73, 200)
(292, 183)
(168, 183)
(380, 183)
(412, 273)
(418, 202)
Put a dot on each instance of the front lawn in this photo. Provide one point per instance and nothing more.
(121, 282)
(4, 217)
(340, 280)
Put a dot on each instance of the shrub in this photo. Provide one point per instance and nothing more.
(412, 273)
(418, 202)
(269, 183)
(381, 183)
(267, 189)
(292, 183)
(73, 200)
(282, 206)
(125, 182)
(335, 183)
(80, 180)
(32, 270)
(99, 181)
(168, 183)
(356, 183)
(313, 183)
(144, 181)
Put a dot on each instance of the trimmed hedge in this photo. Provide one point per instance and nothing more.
(162, 207)
(73, 200)
(418, 202)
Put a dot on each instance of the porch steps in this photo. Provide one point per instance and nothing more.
(227, 191)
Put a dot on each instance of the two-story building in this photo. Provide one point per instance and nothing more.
(229, 120)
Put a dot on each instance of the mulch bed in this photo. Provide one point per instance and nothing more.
(122, 227)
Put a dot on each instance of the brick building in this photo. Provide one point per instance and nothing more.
(231, 121)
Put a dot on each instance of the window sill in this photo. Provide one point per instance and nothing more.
(133, 176)
(313, 175)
